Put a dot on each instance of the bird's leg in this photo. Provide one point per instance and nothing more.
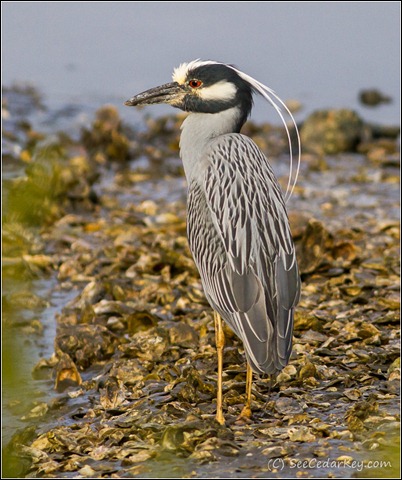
(220, 343)
(246, 412)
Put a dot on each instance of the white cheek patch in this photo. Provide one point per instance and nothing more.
(219, 91)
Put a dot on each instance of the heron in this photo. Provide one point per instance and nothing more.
(237, 223)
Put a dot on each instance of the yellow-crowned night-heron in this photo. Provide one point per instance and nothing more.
(237, 224)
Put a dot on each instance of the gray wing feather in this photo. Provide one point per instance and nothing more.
(241, 242)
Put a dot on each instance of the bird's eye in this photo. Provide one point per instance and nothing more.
(195, 83)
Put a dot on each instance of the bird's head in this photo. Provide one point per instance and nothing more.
(213, 87)
(203, 87)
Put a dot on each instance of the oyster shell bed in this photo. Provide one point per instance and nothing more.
(134, 361)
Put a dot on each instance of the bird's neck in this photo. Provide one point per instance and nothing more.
(198, 130)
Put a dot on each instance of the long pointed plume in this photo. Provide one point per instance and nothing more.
(271, 96)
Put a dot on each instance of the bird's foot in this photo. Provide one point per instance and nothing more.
(220, 418)
(245, 415)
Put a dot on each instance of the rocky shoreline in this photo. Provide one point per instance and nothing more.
(134, 363)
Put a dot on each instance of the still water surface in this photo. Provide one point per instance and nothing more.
(320, 53)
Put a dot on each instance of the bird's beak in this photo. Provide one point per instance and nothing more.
(171, 93)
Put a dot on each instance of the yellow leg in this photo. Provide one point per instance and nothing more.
(220, 343)
(246, 412)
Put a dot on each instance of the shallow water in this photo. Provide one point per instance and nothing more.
(23, 349)
(81, 54)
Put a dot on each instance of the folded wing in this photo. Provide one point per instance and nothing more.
(240, 238)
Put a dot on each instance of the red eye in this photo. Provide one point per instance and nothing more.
(195, 83)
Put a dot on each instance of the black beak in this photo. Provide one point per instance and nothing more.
(169, 93)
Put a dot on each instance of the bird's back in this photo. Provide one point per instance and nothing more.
(240, 239)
